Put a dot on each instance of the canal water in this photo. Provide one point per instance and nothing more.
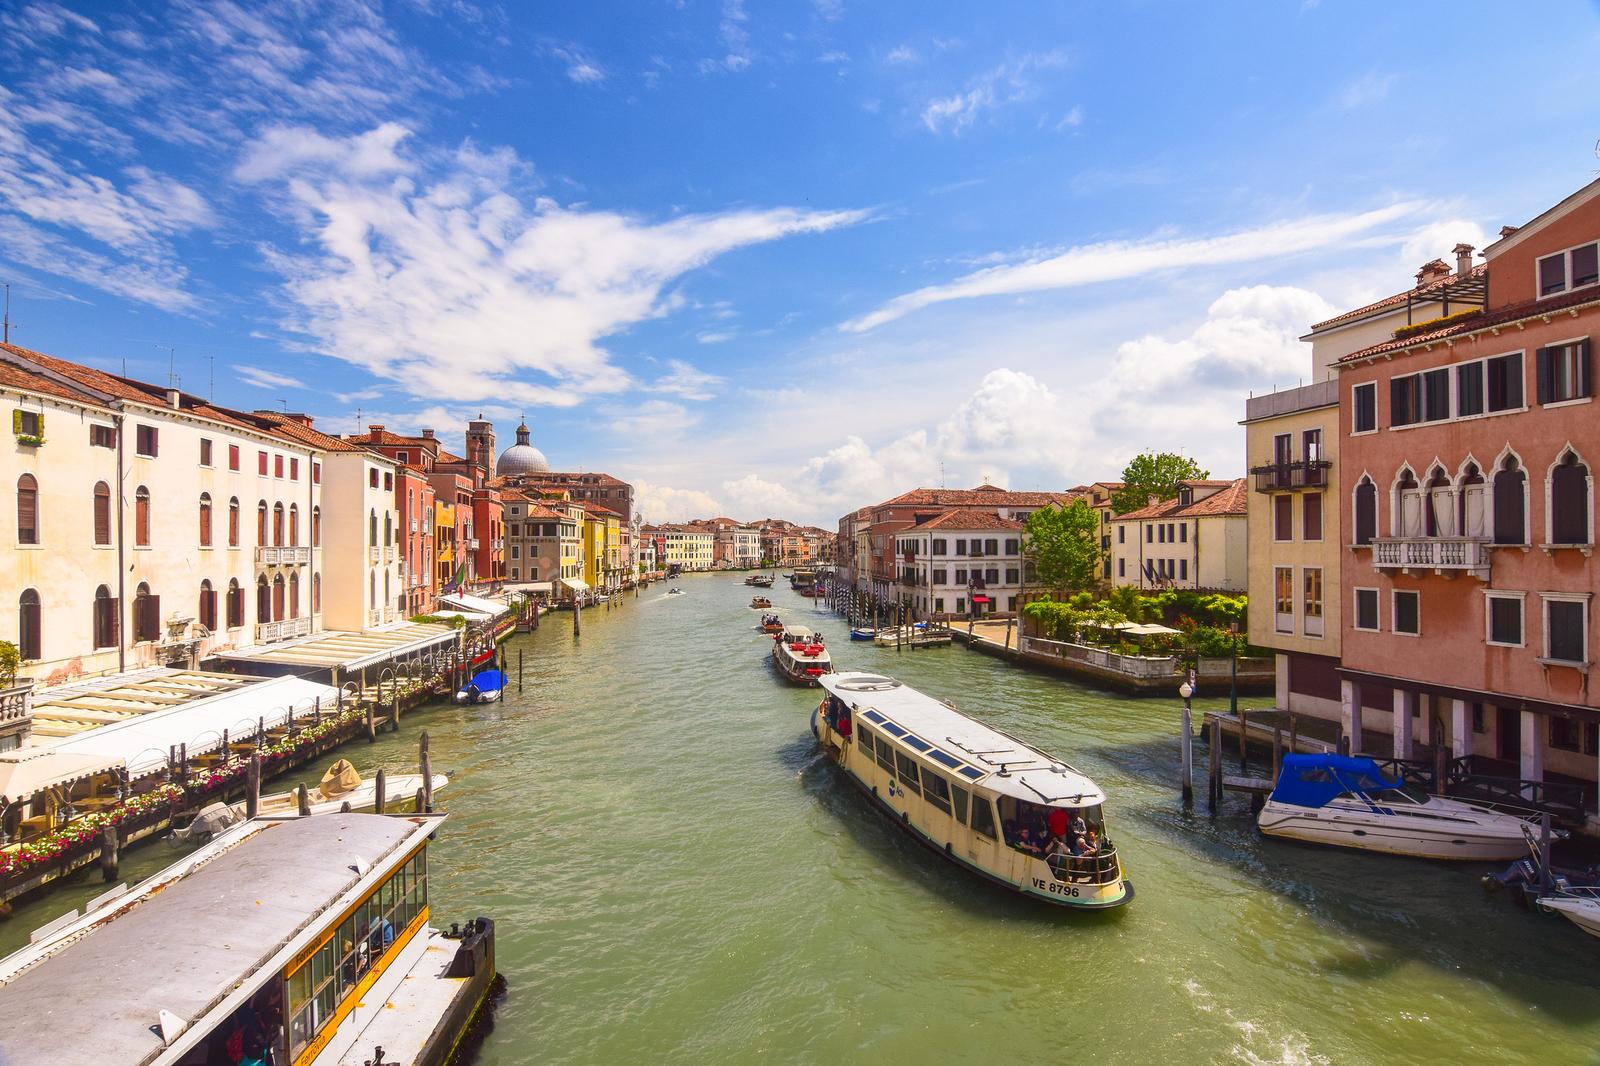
(677, 877)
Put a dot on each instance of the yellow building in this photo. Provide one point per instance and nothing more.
(444, 541)
(602, 547)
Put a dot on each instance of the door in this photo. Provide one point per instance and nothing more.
(1508, 731)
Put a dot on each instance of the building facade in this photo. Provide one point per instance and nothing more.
(1197, 540)
(961, 564)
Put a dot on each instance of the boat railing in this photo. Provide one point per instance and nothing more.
(1100, 868)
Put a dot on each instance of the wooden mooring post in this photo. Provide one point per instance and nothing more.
(1243, 741)
(372, 728)
(519, 669)
(425, 767)
(302, 801)
(252, 788)
(1277, 749)
(1214, 766)
(108, 853)
(381, 792)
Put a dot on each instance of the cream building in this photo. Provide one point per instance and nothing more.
(1197, 540)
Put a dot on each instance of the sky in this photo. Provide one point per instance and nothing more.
(765, 259)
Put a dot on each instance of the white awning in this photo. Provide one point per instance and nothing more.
(143, 742)
(575, 585)
(471, 616)
(532, 586)
(477, 604)
(27, 772)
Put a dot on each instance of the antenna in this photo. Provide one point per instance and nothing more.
(172, 364)
(7, 330)
(211, 377)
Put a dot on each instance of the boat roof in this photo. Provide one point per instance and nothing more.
(1317, 780)
(961, 745)
(800, 632)
(218, 922)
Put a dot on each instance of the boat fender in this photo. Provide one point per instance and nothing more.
(947, 850)
(905, 816)
(874, 790)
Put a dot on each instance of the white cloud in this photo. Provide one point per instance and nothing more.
(753, 497)
(735, 39)
(714, 336)
(1116, 260)
(663, 503)
(655, 419)
(687, 381)
(267, 379)
(280, 150)
(1008, 83)
(1365, 90)
(834, 56)
(448, 279)
(900, 54)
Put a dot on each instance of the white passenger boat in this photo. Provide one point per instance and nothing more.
(977, 796)
(304, 941)
(1349, 802)
(1578, 906)
(801, 657)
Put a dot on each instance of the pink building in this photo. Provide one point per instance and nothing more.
(1468, 582)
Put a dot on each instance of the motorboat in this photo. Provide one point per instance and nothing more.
(1348, 801)
(971, 793)
(340, 785)
(801, 657)
(760, 581)
(772, 624)
(761, 603)
(863, 633)
(1581, 907)
(674, 591)
(486, 686)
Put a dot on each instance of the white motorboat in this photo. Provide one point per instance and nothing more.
(1348, 801)
(341, 784)
(1578, 906)
(674, 591)
(801, 657)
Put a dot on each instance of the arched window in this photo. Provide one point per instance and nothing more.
(1407, 517)
(277, 598)
(294, 594)
(1569, 501)
(316, 527)
(30, 635)
(372, 588)
(387, 593)
(146, 614)
(208, 606)
(233, 522)
(235, 604)
(277, 524)
(1366, 511)
(261, 524)
(316, 593)
(205, 520)
(102, 513)
(1472, 518)
(27, 510)
(372, 529)
(1438, 514)
(1510, 503)
(294, 525)
(141, 517)
(388, 529)
(263, 600)
(105, 618)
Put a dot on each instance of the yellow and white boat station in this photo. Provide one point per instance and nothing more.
(978, 796)
(304, 941)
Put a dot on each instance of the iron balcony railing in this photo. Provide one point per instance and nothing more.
(1431, 553)
(1291, 476)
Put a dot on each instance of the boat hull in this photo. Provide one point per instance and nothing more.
(1467, 843)
(794, 670)
(1583, 913)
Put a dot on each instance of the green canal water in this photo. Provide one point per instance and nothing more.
(677, 877)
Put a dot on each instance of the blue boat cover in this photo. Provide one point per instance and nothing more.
(1316, 780)
(489, 680)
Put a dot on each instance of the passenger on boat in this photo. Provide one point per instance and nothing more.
(1058, 820)
(843, 727)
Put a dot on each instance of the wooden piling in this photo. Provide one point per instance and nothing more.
(252, 787)
(316, 711)
(1243, 740)
(183, 763)
(421, 802)
(108, 853)
(1544, 853)
(1188, 756)
(1277, 749)
(577, 615)
(1214, 766)
(1439, 769)
(519, 669)
(372, 729)
(425, 767)
(303, 800)
(381, 793)
(344, 808)
(1294, 730)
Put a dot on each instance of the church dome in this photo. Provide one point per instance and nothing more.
(522, 457)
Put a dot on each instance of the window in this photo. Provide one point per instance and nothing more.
(208, 606)
(1423, 397)
(294, 525)
(1469, 389)
(1504, 386)
(1364, 407)
(1282, 449)
(1283, 517)
(885, 753)
(388, 481)
(1161, 534)
(1183, 532)
(102, 436)
(1122, 568)
(1510, 503)
(958, 799)
(316, 526)
(1565, 624)
(105, 618)
(1407, 611)
(1149, 534)
(1283, 598)
(1012, 546)
(936, 790)
(940, 577)
(1367, 609)
(372, 477)
(1183, 569)
(294, 594)
(1504, 620)
(205, 520)
(233, 522)
(1013, 575)
(1311, 601)
(102, 513)
(294, 469)
(261, 464)
(235, 604)
(316, 472)
(261, 523)
(1564, 734)
(29, 621)
(141, 517)
(277, 466)
(1311, 516)
(1561, 372)
(983, 817)
(864, 738)
(205, 451)
(316, 593)
(1574, 268)
(145, 441)
(1569, 501)
(1436, 394)
(27, 510)
(278, 597)
(961, 577)
(233, 457)
(277, 525)
(991, 546)
(146, 614)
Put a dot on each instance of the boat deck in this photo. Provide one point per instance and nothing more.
(409, 1024)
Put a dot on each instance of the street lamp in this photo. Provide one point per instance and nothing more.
(1186, 690)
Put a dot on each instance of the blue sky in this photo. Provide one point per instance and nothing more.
(760, 258)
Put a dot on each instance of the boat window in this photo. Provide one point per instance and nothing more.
(935, 790)
(983, 817)
(906, 771)
(864, 738)
(958, 796)
(256, 1029)
(1393, 796)
(885, 755)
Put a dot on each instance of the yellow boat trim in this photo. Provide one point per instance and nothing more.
(353, 1000)
(298, 963)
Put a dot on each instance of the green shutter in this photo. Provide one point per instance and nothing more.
(16, 421)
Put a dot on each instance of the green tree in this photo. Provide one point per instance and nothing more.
(10, 662)
(1153, 474)
(1063, 544)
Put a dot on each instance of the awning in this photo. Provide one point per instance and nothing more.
(532, 586)
(462, 602)
(471, 616)
(29, 771)
(575, 585)
(143, 742)
(981, 599)
(1149, 630)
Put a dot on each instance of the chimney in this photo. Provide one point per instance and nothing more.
(1506, 231)
(174, 399)
(427, 434)
(1432, 270)
(1463, 258)
(374, 428)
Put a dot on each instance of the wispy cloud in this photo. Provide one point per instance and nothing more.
(1009, 83)
(655, 418)
(581, 67)
(267, 379)
(899, 54)
(687, 381)
(734, 34)
(1115, 260)
(1363, 91)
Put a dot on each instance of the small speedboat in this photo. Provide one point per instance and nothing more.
(1347, 801)
(1581, 908)
(863, 633)
(761, 603)
(485, 687)
(674, 591)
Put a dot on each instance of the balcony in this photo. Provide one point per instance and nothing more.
(372, 553)
(1292, 477)
(283, 556)
(271, 632)
(1441, 554)
(473, 543)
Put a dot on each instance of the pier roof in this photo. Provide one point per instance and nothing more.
(212, 931)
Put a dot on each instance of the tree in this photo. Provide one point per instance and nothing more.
(1153, 474)
(1063, 543)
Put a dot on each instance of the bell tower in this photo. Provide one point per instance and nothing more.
(480, 444)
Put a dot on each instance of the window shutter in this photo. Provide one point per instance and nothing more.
(1542, 374)
(1582, 359)
(16, 421)
(1397, 402)
(116, 622)
(41, 413)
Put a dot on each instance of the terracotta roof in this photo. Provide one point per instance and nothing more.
(298, 431)
(24, 380)
(599, 509)
(1232, 499)
(969, 519)
(979, 497)
(448, 459)
(1398, 299)
(1503, 316)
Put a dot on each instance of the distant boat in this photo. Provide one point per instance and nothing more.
(761, 603)
(760, 581)
(863, 633)
(801, 656)
(674, 591)
(485, 687)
